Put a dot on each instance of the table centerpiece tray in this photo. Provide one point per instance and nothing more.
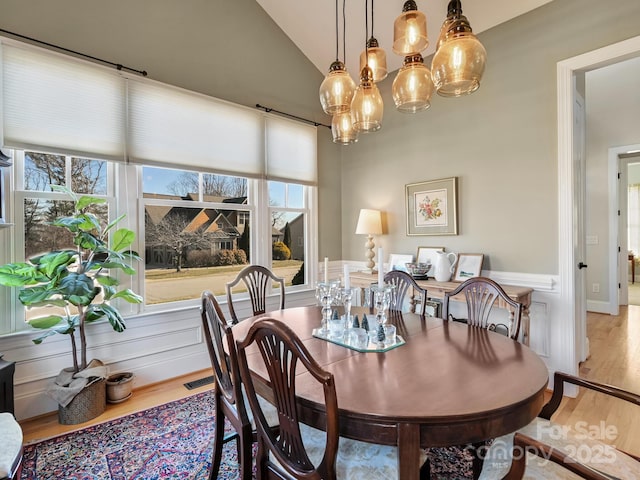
(345, 340)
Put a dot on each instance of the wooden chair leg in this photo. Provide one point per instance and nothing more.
(218, 442)
(245, 457)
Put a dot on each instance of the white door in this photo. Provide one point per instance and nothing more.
(580, 187)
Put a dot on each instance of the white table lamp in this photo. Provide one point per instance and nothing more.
(370, 224)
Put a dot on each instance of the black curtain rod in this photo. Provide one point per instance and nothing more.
(116, 65)
(268, 110)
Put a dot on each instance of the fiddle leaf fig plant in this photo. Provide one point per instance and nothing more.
(81, 280)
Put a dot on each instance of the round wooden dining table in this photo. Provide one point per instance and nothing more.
(448, 384)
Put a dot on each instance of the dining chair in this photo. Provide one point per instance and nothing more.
(257, 280)
(228, 396)
(297, 450)
(573, 446)
(403, 282)
(481, 294)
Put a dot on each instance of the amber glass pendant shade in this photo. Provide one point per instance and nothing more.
(410, 30)
(336, 90)
(459, 61)
(367, 107)
(377, 60)
(342, 129)
(412, 88)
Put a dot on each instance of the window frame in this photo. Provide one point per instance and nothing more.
(124, 187)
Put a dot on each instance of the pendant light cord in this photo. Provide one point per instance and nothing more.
(344, 32)
(366, 31)
(337, 34)
(372, 9)
(118, 66)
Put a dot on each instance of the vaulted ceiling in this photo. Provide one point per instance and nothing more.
(311, 24)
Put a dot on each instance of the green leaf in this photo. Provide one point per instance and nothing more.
(20, 274)
(122, 238)
(84, 299)
(107, 280)
(114, 317)
(38, 294)
(114, 222)
(85, 201)
(108, 292)
(87, 241)
(89, 222)
(45, 322)
(128, 295)
(76, 284)
(70, 223)
(122, 266)
(52, 302)
(50, 263)
(63, 189)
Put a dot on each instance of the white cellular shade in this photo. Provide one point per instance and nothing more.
(171, 125)
(291, 151)
(56, 102)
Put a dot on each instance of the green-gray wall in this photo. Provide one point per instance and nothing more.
(501, 142)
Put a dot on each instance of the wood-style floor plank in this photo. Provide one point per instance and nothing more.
(46, 426)
(614, 359)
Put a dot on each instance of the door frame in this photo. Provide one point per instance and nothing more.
(566, 70)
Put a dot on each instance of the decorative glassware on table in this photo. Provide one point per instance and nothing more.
(382, 297)
(326, 294)
(346, 296)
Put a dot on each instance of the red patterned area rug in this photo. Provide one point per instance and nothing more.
(171, 441)
(168, 441)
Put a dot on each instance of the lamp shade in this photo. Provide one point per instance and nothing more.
(367, 107)
(377, 60)
(369, 222)
(342, 129)
(336, 90)
(459, 61)
(412, 88)
(410, 30)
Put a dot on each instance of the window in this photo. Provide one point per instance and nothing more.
(206, 185)
(196, 230)
(289, 215)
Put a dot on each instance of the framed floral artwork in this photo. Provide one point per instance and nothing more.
(432, 207)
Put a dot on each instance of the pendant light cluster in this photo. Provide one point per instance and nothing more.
(456, 70)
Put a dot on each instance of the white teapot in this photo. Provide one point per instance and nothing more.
(444, 267)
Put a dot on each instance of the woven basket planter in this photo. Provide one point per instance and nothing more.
(88, 404)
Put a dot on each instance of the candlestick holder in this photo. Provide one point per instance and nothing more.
(382, 296)
(326, 293)
(346, 294)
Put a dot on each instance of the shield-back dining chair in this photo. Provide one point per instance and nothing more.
(256, 279)
(229, 398)
(578, 455)
(404, 283)
(298, 451)
(481, 295)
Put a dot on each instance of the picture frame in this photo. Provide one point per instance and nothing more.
(432, 207)
(433, 308)
(397, 261)
(428, 254)
(469, 265)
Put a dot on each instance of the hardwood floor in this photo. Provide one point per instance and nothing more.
(46, 426)
(614, 359)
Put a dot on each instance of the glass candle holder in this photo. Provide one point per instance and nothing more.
(326, 293)
(382, 296)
